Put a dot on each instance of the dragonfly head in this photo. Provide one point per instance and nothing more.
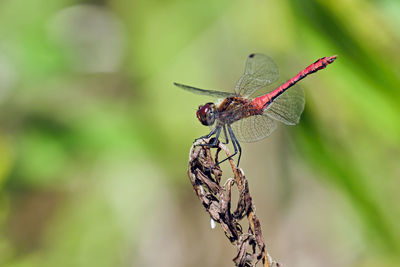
(206, 114)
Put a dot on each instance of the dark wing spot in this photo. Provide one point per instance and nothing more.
(251, 55)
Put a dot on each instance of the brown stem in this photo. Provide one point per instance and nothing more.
(216, 199)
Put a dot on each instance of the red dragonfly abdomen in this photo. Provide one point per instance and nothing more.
(262, 102)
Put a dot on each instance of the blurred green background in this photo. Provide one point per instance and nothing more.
(94, 138)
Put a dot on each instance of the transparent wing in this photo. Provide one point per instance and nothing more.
(260, 71)
(212, 93)
(287, 108)
(253, 128)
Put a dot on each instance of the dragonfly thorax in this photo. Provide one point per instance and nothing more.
(206, 114)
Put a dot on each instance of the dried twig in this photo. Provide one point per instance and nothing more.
(216, 198)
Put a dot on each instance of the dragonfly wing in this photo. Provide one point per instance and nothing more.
(260, 71)
(287, 108)
(212, 93)
(253, 128)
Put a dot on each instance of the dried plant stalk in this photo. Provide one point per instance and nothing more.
(216, 198)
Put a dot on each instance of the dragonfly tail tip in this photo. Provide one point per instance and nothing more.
(332, 58)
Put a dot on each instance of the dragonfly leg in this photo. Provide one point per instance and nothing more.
(217, 131)
(233, 137)
(226, 136)
(235, 144)
(208, 135)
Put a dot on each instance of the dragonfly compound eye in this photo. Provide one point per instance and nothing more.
(206, 114)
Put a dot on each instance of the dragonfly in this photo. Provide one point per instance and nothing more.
(243, 118)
